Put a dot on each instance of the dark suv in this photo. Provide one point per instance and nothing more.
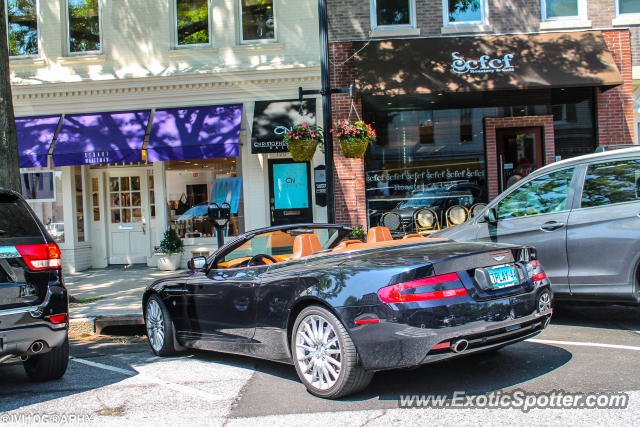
(33, 300)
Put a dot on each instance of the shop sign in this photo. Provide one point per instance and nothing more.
(96, 157)
(484, 64)
(273, 119)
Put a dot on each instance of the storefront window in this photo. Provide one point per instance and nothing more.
(258, 20)
(628, 6)
(84, 26)
(392, 12)
(152, 196)
(43, 191)
(192, 22)
(23, 27)
(430, 150)
(464, 11)
(78, 181)
(192, 184)
(95, 198)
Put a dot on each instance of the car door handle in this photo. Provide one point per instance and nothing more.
(551, 225)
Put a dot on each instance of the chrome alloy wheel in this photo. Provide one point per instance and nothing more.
(544, 302)
(318, 352)
(155, 325)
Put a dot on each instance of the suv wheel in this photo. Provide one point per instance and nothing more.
(48, 366)
(324, 356)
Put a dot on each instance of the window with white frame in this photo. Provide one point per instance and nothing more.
(193, 22)
(393, 14)
(83, 24)
(464, 11)
(257, 21)
(624, 7)
(563, 9)
(22, 27)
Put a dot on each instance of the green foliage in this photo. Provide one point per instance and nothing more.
(171, 243)
(193, 22)
(357, 233)
(84, 25)
(23, 33)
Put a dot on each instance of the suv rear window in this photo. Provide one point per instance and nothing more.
(611, 182)
(15, 219)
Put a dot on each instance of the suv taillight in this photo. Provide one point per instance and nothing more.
(45, 256)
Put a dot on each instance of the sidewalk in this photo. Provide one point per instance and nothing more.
(117, 291)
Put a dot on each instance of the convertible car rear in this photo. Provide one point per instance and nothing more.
(339, 310)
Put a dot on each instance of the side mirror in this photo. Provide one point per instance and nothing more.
(491, 215)
(197, 263)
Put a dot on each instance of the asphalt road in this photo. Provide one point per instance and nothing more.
(118, 380)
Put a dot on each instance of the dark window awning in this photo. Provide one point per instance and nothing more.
(485, 63)
(97, 138)
(195, 133)
(35, 135)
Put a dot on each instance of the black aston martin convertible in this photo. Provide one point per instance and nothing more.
(339, 309)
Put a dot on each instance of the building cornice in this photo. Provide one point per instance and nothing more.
(225, 81)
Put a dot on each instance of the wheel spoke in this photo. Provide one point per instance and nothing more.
(333, 361)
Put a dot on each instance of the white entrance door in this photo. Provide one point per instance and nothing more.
(127, 215)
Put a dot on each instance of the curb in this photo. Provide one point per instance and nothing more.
(95, 325)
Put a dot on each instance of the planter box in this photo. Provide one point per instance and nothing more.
(169, 262)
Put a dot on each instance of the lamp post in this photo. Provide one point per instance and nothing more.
(325, 73)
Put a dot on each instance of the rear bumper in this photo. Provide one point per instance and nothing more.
(407, 333)
(16, 342)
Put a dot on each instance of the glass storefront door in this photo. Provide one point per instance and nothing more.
(519, 153)
(127, 216)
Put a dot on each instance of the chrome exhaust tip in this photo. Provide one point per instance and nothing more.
(24, 358)
(460, 345)
(36, 347)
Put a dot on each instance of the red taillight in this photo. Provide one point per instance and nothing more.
(393, 293)
(366, 321)
(442, 345)
(45, 256)
(535, 270)
(58, 318)
(539, 276)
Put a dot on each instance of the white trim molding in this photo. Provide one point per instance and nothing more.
(373, 9)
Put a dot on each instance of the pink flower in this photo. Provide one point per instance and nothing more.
(304, 125)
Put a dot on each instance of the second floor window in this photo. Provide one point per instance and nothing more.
(258, 20)
(192, 22)
(392, 13)
(464, 11)
(22, 26)
(628, 6)
(84, 26)
(561, 9)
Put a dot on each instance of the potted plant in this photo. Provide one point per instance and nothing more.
(354, 137)
(169, 252)
(303, 141)
(358, 234)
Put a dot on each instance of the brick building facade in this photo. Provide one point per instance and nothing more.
(606, 113)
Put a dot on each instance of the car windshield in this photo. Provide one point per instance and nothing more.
(278, 244)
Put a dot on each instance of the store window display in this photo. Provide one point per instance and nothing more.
(192, 184)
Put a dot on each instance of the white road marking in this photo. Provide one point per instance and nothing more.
(585, 344)
(130, 373)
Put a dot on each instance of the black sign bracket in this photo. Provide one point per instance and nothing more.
(302, 92)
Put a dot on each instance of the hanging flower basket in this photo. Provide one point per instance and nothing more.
(354, 138)
(303, 141)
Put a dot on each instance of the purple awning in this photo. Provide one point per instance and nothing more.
(35, 135)
(195, 133)
(88, 139)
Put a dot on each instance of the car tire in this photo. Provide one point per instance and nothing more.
(160, 329)
(316, 356)
(48, 366)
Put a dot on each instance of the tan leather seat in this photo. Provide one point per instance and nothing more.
(378, 234)
(305, 244)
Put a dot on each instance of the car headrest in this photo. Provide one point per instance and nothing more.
(305, 244)
(378, 234)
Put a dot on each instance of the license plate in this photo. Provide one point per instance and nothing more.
(503, 276)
